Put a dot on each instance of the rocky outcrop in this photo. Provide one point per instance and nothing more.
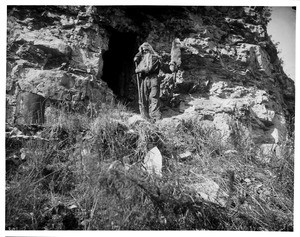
(230, 76)
(234, 79)
(56, 54)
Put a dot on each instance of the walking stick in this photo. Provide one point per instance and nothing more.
(173, 77)
(140, 97)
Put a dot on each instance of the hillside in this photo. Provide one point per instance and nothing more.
(76, 145)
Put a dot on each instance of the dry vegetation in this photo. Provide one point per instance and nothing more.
(89, 175)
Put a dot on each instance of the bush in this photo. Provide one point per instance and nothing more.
(88, 174)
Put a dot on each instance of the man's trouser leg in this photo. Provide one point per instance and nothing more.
(144, 98)
(154, 102)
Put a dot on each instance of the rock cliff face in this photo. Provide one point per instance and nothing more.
(79, 57)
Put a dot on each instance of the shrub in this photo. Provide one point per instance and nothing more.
(88, 174)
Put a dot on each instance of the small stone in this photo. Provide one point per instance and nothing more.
(182, 107)
(23, 156)
(72, 206)
(185, 156)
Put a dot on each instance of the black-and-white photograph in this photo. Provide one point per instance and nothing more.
(150, 117)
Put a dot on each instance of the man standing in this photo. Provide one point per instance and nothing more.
(147, 63)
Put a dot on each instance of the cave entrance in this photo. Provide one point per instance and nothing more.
(118, 65)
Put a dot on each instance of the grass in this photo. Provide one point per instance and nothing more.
(89, 175)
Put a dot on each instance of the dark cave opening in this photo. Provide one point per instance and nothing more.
(118, 65)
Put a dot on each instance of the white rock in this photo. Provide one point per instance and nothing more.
(210, 191)
(153, 162)
(186, 155)
(72, 206)
(23, 156)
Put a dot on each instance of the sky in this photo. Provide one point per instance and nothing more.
(282, 28)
